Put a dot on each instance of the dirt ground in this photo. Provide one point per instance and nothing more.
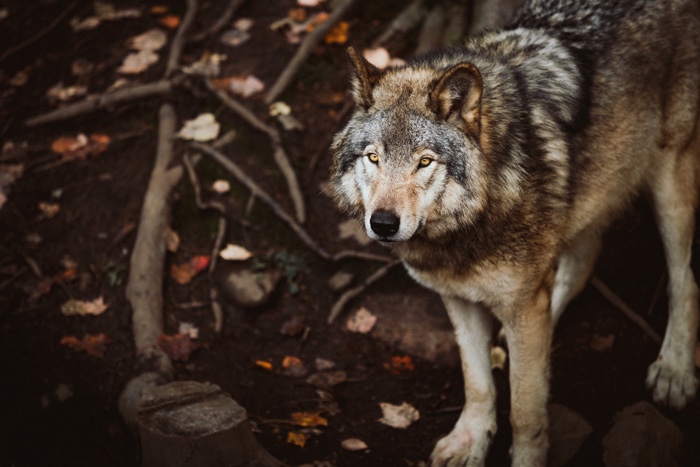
(58, 406)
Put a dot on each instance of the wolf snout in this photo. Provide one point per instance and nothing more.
(384, 223)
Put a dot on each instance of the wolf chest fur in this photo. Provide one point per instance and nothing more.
(493, 169)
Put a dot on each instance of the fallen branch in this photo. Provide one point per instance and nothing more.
(221, 23)
(179, 39)
(145, 283)
(103, 101)
(338, 306)
(305, 49)
(624, 308)
(404, 22)
(258, 192)
(280, 155)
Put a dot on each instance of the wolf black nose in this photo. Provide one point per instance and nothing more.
(384, 223)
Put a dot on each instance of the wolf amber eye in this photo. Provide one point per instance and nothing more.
(373, 158)
(425, 162)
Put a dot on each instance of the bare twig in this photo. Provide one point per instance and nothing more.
(221, 23)
(216, 310)
(404, 22)
(103, 101)
(305, 49)
(280, 155)
(357, 290)
(256, 190)
(179, 39)
(39, 34)
(144, 287)
(623, 307)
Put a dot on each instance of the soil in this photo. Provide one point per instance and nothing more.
(58, 406)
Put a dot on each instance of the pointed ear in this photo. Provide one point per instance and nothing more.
(364, 78)
(457, 97)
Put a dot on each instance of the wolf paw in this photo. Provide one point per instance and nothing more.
(461, 448)
(672, 384)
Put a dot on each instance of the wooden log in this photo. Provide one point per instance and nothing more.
(186, 423)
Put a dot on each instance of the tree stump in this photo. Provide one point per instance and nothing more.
(186, 423)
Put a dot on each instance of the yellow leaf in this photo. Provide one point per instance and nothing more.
(265, 365)
(309, 419)
(298, 439)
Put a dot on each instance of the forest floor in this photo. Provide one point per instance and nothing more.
(69, 223)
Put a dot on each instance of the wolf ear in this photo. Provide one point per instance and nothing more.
(364, 78)
(457, 95)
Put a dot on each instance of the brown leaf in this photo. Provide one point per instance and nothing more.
(177, 347)
(399, 365)
(602, 343)
(170, 21)
(93, 344)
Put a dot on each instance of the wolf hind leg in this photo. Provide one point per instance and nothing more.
(672, 376)
(573, 270)
(468, 442)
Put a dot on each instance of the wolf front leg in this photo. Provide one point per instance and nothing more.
(672, 376)
(469, 441)
(528, 331)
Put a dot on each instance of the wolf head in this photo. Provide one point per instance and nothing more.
(410, 162)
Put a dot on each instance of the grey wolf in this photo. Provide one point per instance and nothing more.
(492, 170)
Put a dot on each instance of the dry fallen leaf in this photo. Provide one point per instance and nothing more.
(93, 344)
(245, 87)
(381, 58)
(339, 33)
(75, 307)
(298, 439)
(183, 273)
(265, 365)
(152, 40)
(202, 128)
(399, 365)
(209, 64)
(362, 321)
(353, 444)
(49, 210)
(221, 186)
(80, 146)
(293, 366)
(60, 93)
(178, 347)
(169, 21)
(235, 253)
(309, 419)
(188, 328)
(138, 62)
(398, 416)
